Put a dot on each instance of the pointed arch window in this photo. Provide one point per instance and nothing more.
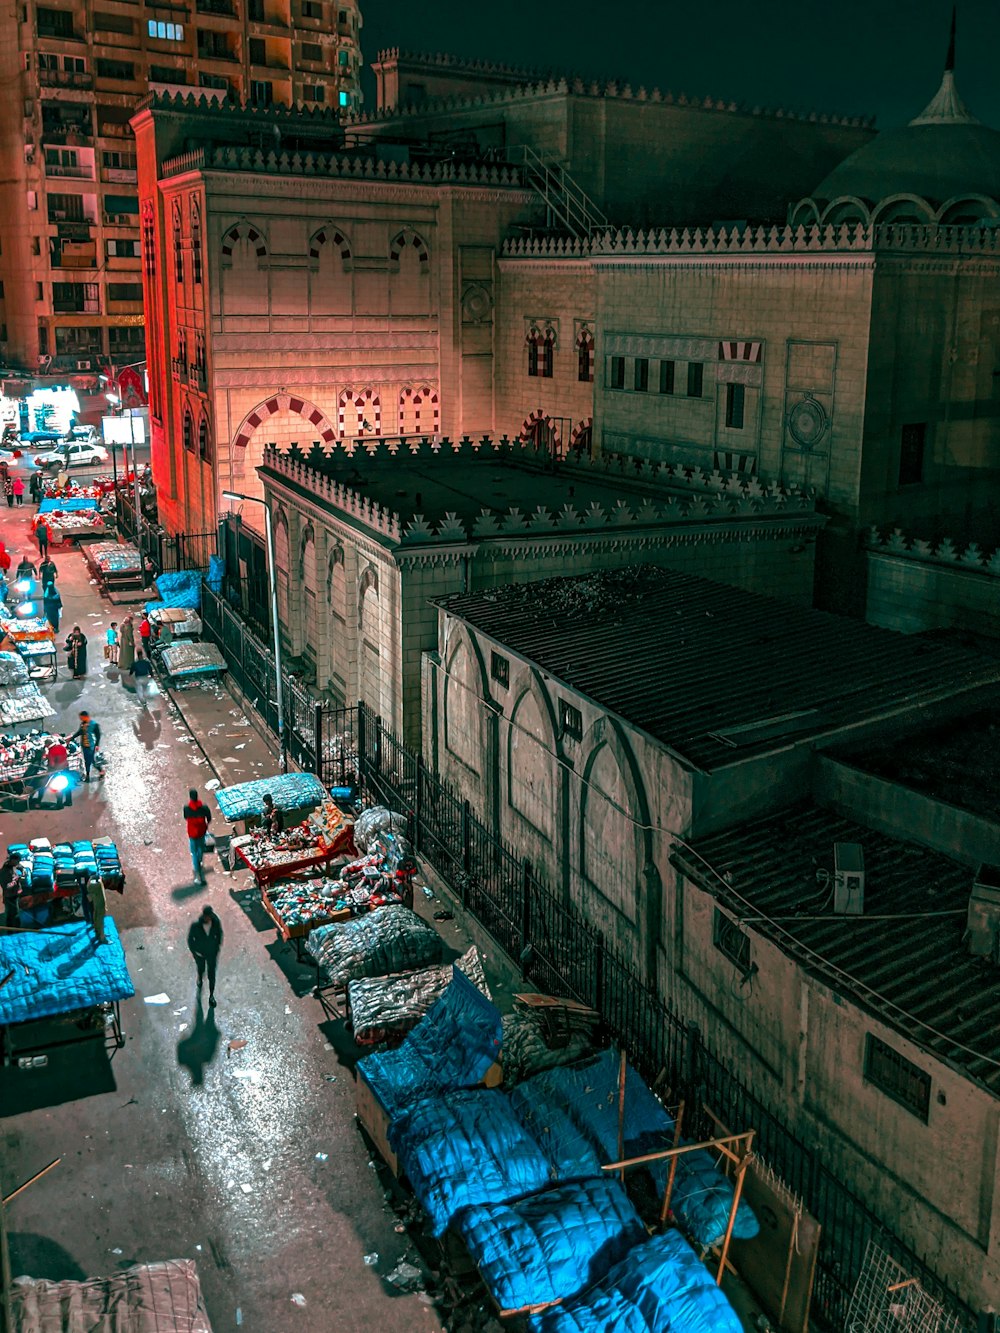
(196, 260)
(585, 357)
(541, 353)
(148, 243)
(205, 452)
(188, 430)
(178, 247)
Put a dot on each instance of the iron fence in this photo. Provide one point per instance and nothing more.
(166, 552)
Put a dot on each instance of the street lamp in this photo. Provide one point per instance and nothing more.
(275, 629)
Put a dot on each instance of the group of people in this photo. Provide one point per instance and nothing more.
(131, 658)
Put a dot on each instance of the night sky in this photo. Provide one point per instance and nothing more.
(858, 57)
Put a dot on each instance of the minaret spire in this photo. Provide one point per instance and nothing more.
(949, 63)
(946, 107)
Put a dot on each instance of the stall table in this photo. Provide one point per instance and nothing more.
(41, 658)
(23, 703)
(116, 566)
(192, 658)
(323, 836)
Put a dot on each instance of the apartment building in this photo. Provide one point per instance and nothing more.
(70, 76)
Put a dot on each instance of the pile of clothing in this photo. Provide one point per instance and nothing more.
(109, 865)
(112, 558)
(64, 866)
(13, 670)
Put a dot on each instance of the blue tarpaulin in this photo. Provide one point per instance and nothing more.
(451, 1047)
(216, 572)
(60, 970)
(68, 504)
(182, 589)
(572, 1111)
(552, 1245)
(659, 1287)
(465, 1148)
(290, 791)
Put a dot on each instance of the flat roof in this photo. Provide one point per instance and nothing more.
(904, 960)
(716, 674)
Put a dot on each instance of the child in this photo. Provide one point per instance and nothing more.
(112, 638)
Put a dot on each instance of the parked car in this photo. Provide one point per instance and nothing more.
(73, 454)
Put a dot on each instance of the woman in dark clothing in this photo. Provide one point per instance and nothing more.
(52, 604)
(76, 646)
(8, 490)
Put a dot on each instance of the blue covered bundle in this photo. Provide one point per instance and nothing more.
(185, 659)
(553, 1244)
(182, 589)
(290, 791)
(68, 504)
(464, 1148)
(659, 1287)
(59, 971)
(390, 939)
(216, 572)
(573, 1113)
(451, 1047)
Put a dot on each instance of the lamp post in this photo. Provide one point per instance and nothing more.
(272, 579)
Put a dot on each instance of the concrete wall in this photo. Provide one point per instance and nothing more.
(915, 595)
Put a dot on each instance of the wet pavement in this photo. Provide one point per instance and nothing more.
(225, 1135)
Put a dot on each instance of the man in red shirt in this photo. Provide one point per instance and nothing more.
(146, 633)
(197, 816)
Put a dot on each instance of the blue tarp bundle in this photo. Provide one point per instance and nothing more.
(59, 971)
(451, 1047)
(390, 939)
(553, 1244)
(216, 572)
(68, 504)
(290, 791)
(464, 1148)
(187, 658)
(182, 589)
(573, 1113)
(659, 1287)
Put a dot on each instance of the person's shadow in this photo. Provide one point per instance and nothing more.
(146, 728)
(197, 1050)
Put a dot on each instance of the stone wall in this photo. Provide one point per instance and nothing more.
(916, 585)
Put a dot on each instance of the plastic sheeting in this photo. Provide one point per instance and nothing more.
(183, 660)
(387, 1008)
(573, 1113)
(289, 791)
(23, 703)
(392, 939)
(180, 589)
(146, 1298)
(552, 1245)
(374, 821)
(660, 1287)
(451, 1047)
(526, 1052)
(114, 557)
(68, 504)
(59, 971)
(13, 669)
(465, 1148)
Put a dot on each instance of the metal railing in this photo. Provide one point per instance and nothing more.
(564, 201)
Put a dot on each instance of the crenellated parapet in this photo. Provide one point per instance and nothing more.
(773, 240)
(969, 556)
(640, 495)
(339, 166)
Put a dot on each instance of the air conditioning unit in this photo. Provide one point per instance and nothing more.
(848, 879)
(85, 365)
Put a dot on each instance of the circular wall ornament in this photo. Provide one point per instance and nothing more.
(476, 304)
(807, 423)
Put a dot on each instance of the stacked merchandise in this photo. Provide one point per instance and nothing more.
(145, 1298)
(113, 558)
(184, 622)
(75, 504)
(21, 756)
(182, 661)
(23, 703)
(291, 793)
(57, 872)
(300, 903)
(64, 527)
(542, 1033)
(324, 834)
(25, 630)
(393, 939)
(13, 670)
(385, 1009)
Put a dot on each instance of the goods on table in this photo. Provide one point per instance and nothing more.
(144, 1298)
(24, 755)
(114, 558)
(322, 835)
(31, 629)
(23, 703)
(393, 939)
(59, 870)
(182, 620)
(76, 524)
(186, 659)
(386, 1008)
(68, 504)
(289, 791)
(299, 904)
(13, 670)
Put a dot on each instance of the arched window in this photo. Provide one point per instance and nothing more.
(178, 246)
(196, 243)
(541, 352)
(188, 430)
(205, 452)
(585, 357)
(148, 243)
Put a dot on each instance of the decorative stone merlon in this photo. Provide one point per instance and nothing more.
(669, 493)
(340, 167)
(944, 552)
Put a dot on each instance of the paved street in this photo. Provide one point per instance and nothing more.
(192, 1148)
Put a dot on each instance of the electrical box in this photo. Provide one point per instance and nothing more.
(848, 878)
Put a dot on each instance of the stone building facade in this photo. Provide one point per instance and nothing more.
(659, 748)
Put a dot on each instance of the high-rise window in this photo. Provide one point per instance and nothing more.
(165, 32)
(585, 357)
(735, 404)
(345, 99)
(343, 58)
(312, 53)
(261, 92)
(122, 71)
(196, 244)
(696, 377)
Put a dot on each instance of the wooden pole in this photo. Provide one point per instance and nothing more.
(621, 1113)
(718, 1144)
(737, 1191)
(668, 1191)
(37, 1176)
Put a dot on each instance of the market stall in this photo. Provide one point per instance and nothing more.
(393, 939)
(71, 518)
(20, 704)
(190, 660)
(41, 658)
(57, 988)
(184, 622)
(321, 837)
(294, 795)
(145, 1297)
(53, 874)
(23, 756)
(117, 566)
(382, 1010)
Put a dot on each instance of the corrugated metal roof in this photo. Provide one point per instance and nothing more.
(715, 673)
(903, 960)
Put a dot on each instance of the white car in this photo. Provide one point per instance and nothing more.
(72, 455)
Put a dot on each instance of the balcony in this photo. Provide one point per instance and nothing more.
(215, 53)
(221, 8)
(72, 254)
(112, 130)
(66, 135)
(47, 32)
(260, 18)
(269, 66)
(76, 306)
(78, 173)
(65, 78)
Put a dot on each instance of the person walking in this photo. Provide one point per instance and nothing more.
(76, 646)
(126, 646)
(89, 734)
(145, 633)
(197, 817)
(52, 605)
(35, 487)
(111, 643)
(205, 942)
(25, 569)
(93, 889)
(10, 882)
(47, 570)
(43, 534)
(142, 674)
(18, 488)
(8, 490)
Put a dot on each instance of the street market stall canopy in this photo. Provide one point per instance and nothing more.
(60, 970)
(291, 792)
(184, 660)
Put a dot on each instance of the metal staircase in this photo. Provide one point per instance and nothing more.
(566, 205)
